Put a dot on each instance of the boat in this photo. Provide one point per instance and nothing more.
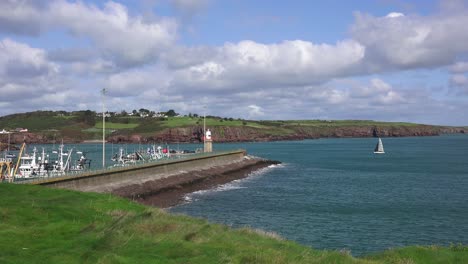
(29, 167)
(37, 166)
(122, 159)
(157, 153)
(81, 164)
(379, 147)
(10, 156)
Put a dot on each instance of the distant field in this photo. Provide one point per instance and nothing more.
(83, 125)
(34, 123)
(346, 123)
(194, 121)
(110, 125)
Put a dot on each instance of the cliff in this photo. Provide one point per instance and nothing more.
(244, 133)
(221, 133)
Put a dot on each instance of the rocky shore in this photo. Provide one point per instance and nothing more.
(170, 191)
(249, 134)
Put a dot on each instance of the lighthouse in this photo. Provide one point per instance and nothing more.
(208, 146)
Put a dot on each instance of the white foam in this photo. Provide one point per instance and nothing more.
(266, 169)
(234, 185)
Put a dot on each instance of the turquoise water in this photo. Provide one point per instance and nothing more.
(336, 194)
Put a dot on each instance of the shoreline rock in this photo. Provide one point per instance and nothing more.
(226, 134)
(170, 191)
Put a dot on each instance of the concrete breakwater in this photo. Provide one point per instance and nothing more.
(171, 190)
(172, 178)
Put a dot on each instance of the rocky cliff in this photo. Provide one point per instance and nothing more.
(244, 133)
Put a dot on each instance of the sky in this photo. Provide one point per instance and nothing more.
(386, 60)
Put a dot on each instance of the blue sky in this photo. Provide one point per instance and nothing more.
(389, 60)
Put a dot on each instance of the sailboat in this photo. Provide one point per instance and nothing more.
(379, 148)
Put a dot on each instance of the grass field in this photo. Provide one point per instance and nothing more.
(211, 122)
(111, 125)
(81, 126)
(44, 225)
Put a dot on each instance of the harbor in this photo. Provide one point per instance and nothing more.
(154, 174)
(31, 165)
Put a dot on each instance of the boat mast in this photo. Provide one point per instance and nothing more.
(8, 141)
(103, 129)
(204, 128)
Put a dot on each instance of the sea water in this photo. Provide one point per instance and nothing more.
(337, 194)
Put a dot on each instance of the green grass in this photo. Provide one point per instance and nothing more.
(111, 125)
(427, 255)
(44, 225)
(344, 123)
(172, 122)
(56, 125)
(34, 123)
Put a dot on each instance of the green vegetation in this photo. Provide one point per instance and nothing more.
(111, 125)
(87, 124)
(44, 225)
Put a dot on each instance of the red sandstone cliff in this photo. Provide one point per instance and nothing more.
(239, 134)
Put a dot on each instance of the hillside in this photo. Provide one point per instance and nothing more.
(42, 225)
(50, 126)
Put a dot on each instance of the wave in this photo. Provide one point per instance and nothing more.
(233, 185)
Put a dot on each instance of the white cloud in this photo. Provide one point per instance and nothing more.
(459, 79)
(403, 42)
(24, 72)
(21, 16)
(20, 60)
(128, 40)
(459, 67)
(140, 62)
(395, 14)
(459, 84)
(255, 111)
(240, 66)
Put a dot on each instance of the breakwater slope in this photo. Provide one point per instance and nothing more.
(164, 183)
(170, 191)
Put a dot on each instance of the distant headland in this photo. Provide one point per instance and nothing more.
(144, 126)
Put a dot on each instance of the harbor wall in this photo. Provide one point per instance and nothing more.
(111, 179)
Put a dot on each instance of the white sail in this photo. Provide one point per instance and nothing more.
(379, 147)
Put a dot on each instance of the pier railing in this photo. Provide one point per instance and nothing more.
(117, 168)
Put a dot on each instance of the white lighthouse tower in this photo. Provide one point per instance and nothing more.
(208, 146)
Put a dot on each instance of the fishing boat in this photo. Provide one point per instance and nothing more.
(379, 147)
(157, 153)
(83, 163)
(29, 166)
(122, 159)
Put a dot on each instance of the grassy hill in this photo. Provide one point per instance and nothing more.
(43, 225)
(82, 125)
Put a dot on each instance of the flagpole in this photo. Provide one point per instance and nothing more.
(103, 129)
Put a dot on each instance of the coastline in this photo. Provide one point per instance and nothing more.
(170, 191)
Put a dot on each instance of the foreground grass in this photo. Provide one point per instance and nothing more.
(42, 225)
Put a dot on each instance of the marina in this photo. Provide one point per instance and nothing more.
(36, 162)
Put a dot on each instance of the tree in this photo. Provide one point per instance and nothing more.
(123, 113)
(87, 117)
(144, 111)
(171, 113)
